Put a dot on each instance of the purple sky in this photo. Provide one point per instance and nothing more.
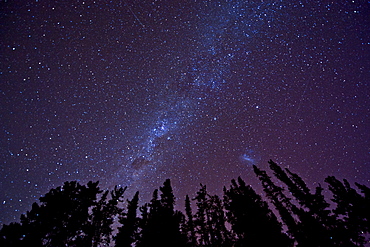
(134, 92)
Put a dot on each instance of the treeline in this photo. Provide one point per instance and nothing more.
(84, 215)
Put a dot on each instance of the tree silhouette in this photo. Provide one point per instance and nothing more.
(161, 226)
(11, 235)
(103, 216)
(209, 220)
(127, 233)
(62, 219)
(201, 227)
(143, 221)
(216, 219)
(149, 222)
(352, 211)
(84, 215)
(312, 223)
(33, 228)
(364, 212)
(251, 220)
(188, 227)
(316, 225)
(171, 219)
(281, 202)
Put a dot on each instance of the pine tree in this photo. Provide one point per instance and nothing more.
(162, 225)
(209, 220)
(189, 225)
(201, 227)
(127, 233)
(364, 210)
(62, 218)
(103, 215)
(251, 220)
(143, 223)
(170, 219)
(316, 224)
(216, 220)
(149, 223)
(167, 198)
(97, 217)
(281, 202)
(352, 211)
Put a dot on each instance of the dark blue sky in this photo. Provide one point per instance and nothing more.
(134, 92)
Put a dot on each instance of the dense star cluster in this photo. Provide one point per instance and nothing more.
(134, 92)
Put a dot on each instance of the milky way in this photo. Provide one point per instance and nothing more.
(133, 92)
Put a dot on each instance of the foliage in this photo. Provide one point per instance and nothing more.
(84, 215)
(250, 217)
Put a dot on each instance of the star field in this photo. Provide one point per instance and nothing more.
(134, 92)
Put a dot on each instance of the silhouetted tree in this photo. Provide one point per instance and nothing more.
(188, 227)
(71, 215)
(209, 220)
(167, 198)
(103, 215)
(316, 225)
(364, 212)
(251, 220)
(162, 226)
(62, 218)
(143, 221)
(149, 222)
(127, 233)
(216, 220)
(312, 223)
(11, 235)
(352, 211)
(281, 202)
(97, 216)
(33, 228)
(170, 219)
(200, 222)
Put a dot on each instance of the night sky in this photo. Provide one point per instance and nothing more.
(134, 92)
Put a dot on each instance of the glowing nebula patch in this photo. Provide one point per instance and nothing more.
(249, 157)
